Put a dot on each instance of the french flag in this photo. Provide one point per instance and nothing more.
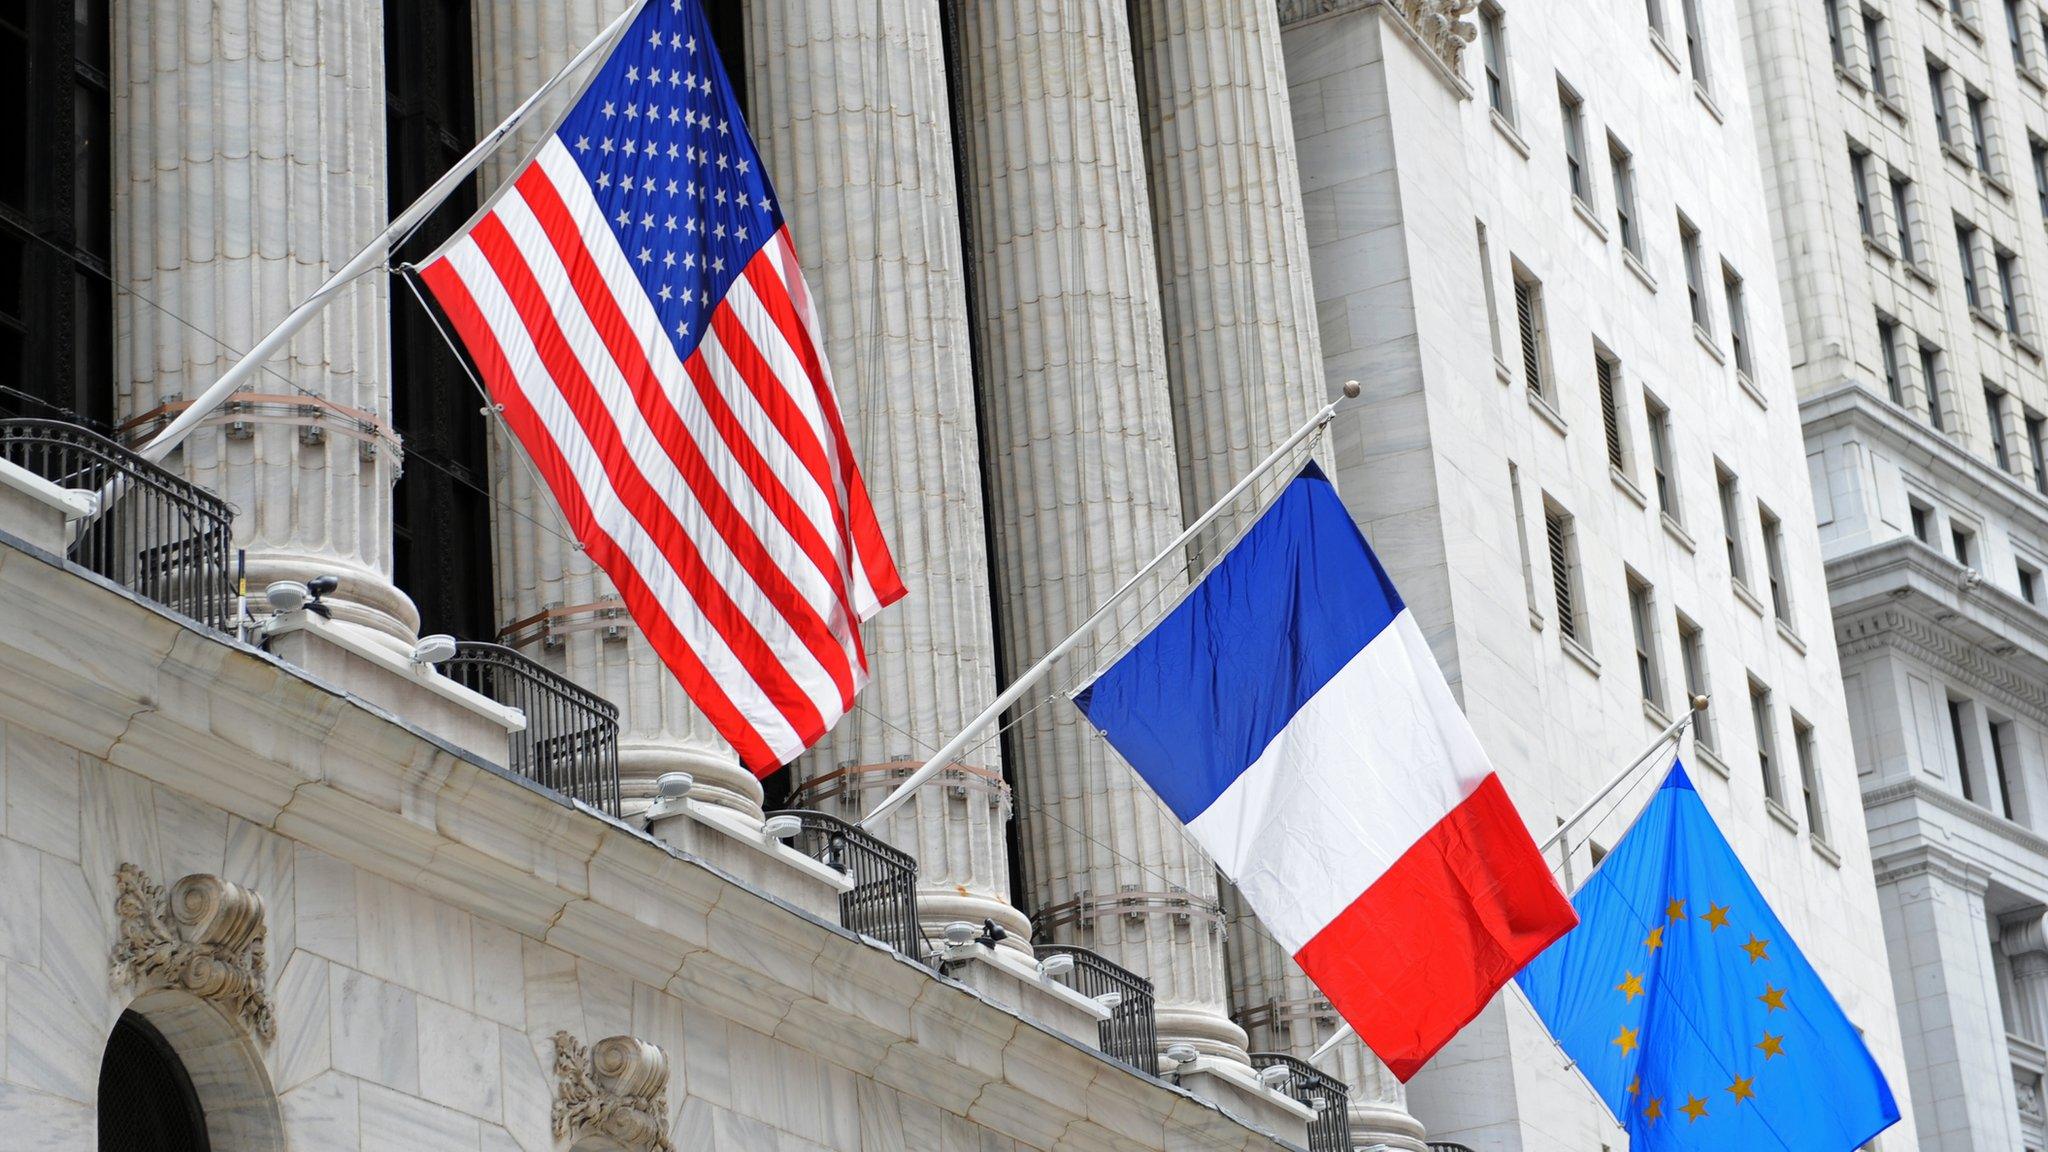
(1291, 714)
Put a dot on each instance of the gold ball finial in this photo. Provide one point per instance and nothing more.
(1351, 389)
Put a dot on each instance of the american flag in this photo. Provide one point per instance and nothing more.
(633, 303)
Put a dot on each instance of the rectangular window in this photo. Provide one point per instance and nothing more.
(1559, 533)
(1692, 652)
(2000, 734)
(1966, 255)
(1774, 564)
(1623, 165)
(1831, 11)
(1573, 111)
(1980, 133)
(1696, 45)
(1923, 522)
(1643, 619)
(2012, 34)
(1529, 325)
(1958, 733)
(1738, 321)
(1876, 37)
(1930, 375)
(2030, 583)
(1607, 375)
(2009, 288)
(1486, 285)
(1654, 11)
(1731, 524)
(1766, 740)
(1902, 213)
(1695, 274)
(1937, 89)
(1522, 541)
(1994, 412)
(1859, 176)
(1888, 349)
(2037, 449)
(2039, 151)
(1963, 543)
(1660, 457)
(1493, 50)
(1809, 778)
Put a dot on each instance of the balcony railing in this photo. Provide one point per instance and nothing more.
(158, 535)
(1330, 1131)
(571, 741)
(1447, 1146)
(1128, 1035)
(883, 900)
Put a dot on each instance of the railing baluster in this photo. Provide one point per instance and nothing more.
(571, 740)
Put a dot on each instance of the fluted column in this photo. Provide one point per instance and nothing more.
(250, 162)
(848, 103)
(1081, 472)
(559, 607)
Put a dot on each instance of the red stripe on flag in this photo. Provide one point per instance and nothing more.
(646, 608)
(754, 651)
(1416, 957)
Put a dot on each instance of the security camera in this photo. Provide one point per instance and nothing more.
(991, 933)
(320, 586)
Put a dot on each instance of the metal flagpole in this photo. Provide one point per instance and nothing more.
(1677, 727)
(1023, 684)
(374, 254)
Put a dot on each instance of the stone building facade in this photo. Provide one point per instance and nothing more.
(1904, 156)
(1081, 263)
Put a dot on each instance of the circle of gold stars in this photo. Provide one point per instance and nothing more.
(1627, 1041)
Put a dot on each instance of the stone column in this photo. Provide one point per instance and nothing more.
(2024, 940)
(250, 163)
(554, 603)
(1080, 466)
(849, 106)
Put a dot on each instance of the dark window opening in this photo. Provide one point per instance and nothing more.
(147, 1103)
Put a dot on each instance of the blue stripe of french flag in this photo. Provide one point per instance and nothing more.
(1290, 713)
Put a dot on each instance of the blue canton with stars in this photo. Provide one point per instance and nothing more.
(659, 136)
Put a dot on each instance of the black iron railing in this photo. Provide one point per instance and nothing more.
(157, 534)
(883, 900)
(1447, 1146)
(1128, 1035)
(571, 741)
(1330, 1131)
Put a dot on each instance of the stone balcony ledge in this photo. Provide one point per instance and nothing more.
(101, 670)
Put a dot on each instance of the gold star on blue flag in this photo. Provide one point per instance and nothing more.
(1690, 1009)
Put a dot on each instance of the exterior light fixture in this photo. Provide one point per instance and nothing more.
(433, 649)
(959, 934)
(781, 827)
(1057, 964)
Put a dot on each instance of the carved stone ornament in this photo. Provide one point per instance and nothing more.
(1442, 26)
(619, 1090)
(206, 937)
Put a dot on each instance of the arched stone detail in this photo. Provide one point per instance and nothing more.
(615, 1094)
(227, 1072)
(204, 937)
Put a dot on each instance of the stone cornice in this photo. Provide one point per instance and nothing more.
(1438, 29)
(1922, 858)
(1924, 852)
(1851, 405)
(121, 680)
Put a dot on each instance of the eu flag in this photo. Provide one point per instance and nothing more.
(1690, 1010)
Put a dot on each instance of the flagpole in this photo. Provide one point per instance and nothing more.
(1018, 688)
(373, 254)
(1699, 705)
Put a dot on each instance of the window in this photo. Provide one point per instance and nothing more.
(1774, 564)
(2037, 449)
(1831, 10)
(2001, 734)
(1957, 732)
(1696, 45)
(146, 1095)
(1876, 38)
(1963, 543)
(1660, 457)
(1692, 653)
(1738, 321)
(1888, 349)
(1529, 324)
(1486, 286)
(1966, 256)
(2029, 583)
(1766, 740)
(1902, 213)
(1937, 88)
(1643, 619)
(1930, 375)
(1695, 286)
(1493, 52)
(1522, 543)
(1560, 534)
(1654, 10)
(1731, 524)
(2012, 34)
(1859, 175)
(1994, 411)
(1607, 374)
(1622, 164)
(2039, 152)
(2009, 288)
(1980, 134)
(1809, 778)
(1573, 110)
(1923, 522)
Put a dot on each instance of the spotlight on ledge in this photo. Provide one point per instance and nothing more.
(1273, 1077)
(782, 827)
(1057, 964)
(1182, 1053)
(674, 785)
(433, 649)
(286, 596)
(959, 934)
(1111, 1000)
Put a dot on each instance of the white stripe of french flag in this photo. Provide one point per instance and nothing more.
(1291, 714)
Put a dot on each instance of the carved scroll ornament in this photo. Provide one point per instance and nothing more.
(618, 1090)
(205, 937)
